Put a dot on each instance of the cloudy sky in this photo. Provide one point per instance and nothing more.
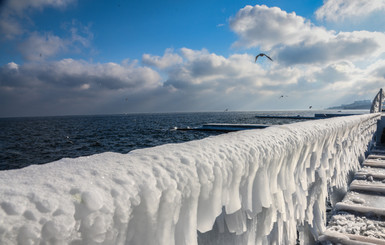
(67, 57)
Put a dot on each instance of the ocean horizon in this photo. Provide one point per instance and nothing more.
(42, 139)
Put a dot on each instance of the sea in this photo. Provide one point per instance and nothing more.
(39, 140)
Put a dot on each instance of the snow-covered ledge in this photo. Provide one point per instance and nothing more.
(251, 186)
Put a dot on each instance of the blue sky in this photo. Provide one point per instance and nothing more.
(65, 57)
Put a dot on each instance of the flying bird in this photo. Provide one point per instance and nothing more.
(262, 54)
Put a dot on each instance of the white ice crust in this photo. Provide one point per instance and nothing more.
(248, 187)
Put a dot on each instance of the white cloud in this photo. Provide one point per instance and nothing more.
(40, 46)
(339, 10)
(13, 13)
(247, 84)
(268, 27)
(201, 81)
(167, 60)
(12, 66)
(10, 27)
(312, 66)
(204, 81)
(211, 72)
(291, 39)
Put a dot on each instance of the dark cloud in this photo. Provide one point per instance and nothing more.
(202, 82)
(334, 73)
(64, 84)
(340, 48)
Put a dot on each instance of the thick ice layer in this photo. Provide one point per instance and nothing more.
(253, 186)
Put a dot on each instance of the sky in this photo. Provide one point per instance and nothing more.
(84, 57)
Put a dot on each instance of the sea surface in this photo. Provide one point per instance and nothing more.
(38, 140)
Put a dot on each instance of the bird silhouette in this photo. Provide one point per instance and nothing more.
(262, 54)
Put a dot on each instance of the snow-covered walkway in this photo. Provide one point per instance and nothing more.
(360, 217)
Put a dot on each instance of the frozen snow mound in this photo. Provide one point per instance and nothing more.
(248, 187)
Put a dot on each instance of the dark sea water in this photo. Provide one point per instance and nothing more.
(39, 140)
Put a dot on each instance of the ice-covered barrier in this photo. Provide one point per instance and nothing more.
(249, 187)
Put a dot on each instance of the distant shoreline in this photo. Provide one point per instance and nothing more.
(356, 105)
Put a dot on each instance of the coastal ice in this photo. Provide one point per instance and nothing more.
(247, 187)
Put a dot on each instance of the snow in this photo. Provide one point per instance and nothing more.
(247, 187)
(363, 203)
(367, 172)
(350, 224)
(368, 185)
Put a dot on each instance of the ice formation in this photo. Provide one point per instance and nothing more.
(248, 187)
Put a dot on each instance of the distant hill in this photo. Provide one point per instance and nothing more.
(356, 105)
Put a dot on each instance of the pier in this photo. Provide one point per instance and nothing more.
(316, 116)
(225, 127)
(230, 127)
(257, 186)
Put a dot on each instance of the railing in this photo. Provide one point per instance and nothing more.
(257, 186)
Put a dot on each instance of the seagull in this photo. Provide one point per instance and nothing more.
(262, 54)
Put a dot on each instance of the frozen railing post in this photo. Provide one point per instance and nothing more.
(381, 100)
(248, 187)
(377, 102)
(377, 105)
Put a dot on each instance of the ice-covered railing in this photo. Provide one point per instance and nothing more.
(255, 186)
